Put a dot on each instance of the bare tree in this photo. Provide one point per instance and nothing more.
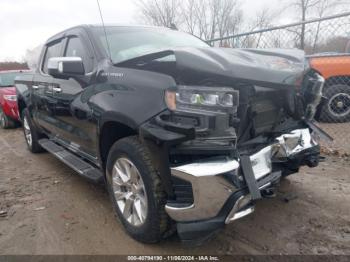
(206, 19)
(194, 15)
(160, 12)
(188, 10)
(216, 18)
(206, 14)
(303, 8)
(322, 9)
(307, 8)
(31, 57)
(229, 17)
(263, 19)
(233, 27)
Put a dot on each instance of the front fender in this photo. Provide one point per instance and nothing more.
(116, 117)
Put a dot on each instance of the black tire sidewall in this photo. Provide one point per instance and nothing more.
(330, 91)
(8, 123)
(35, 147)
(2, 125)
(148, 232)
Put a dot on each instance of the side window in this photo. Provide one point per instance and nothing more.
(75, 48)
(52, 50)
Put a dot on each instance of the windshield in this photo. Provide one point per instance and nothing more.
(7, 79)
(129, 42)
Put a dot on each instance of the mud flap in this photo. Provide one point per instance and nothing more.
(249, 176)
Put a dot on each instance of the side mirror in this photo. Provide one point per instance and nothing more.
(65, 66)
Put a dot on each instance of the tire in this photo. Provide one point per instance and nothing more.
(337, 107)
(156, 224)
(31, 135)
(5, 121)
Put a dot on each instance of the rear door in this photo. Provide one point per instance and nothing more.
(42, 90)
(77, 127)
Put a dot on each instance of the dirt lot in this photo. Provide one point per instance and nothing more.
(47, 209)
(341, 135)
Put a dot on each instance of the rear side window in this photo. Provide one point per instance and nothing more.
(75, 48)
(53, 50)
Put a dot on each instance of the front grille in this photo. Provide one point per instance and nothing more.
(265, 114)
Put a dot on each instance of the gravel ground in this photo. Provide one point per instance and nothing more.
(45, 208)
(341, 135)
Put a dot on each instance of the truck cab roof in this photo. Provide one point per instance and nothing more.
(88, 27)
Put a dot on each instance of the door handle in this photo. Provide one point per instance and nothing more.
(57, 89)
(38, 86)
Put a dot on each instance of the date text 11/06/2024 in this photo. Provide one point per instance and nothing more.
(173, 258)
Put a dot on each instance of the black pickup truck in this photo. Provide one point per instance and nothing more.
(186, 137)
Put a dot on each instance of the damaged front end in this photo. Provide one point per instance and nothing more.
(237, 122)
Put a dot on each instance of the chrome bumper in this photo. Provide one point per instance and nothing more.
(211, 189)
(286, 146)
(241, 209)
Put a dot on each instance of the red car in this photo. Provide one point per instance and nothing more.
(9, 116)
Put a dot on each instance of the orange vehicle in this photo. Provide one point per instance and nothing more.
(335, 68)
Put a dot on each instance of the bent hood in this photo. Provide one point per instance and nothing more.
(267, 67)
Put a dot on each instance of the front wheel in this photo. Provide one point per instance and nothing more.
(136, 191)
(337, 108)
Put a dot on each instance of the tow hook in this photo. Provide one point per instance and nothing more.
(269, 192)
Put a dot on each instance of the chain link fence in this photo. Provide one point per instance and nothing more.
(326, 41)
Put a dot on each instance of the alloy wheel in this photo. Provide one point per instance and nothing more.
(129, 192)
(27, 132)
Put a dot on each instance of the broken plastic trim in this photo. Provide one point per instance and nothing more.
(316, 92)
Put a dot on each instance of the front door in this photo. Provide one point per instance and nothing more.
(77, 129)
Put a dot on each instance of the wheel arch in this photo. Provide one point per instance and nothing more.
(21, 106)
(112, 128)
(331, 81)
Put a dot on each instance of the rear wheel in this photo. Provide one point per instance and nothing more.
(31, 135)
(136, 191)
(5, 121)
(337, 108)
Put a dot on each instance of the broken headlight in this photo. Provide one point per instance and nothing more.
(202, 98)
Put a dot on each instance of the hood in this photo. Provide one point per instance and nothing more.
(265, 67)
(8, 90)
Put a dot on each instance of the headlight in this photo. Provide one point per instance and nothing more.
(10, 98)
(202, 98)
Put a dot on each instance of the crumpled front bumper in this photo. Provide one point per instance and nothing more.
(213, 183)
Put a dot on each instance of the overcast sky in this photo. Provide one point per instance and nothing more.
(25, 24)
